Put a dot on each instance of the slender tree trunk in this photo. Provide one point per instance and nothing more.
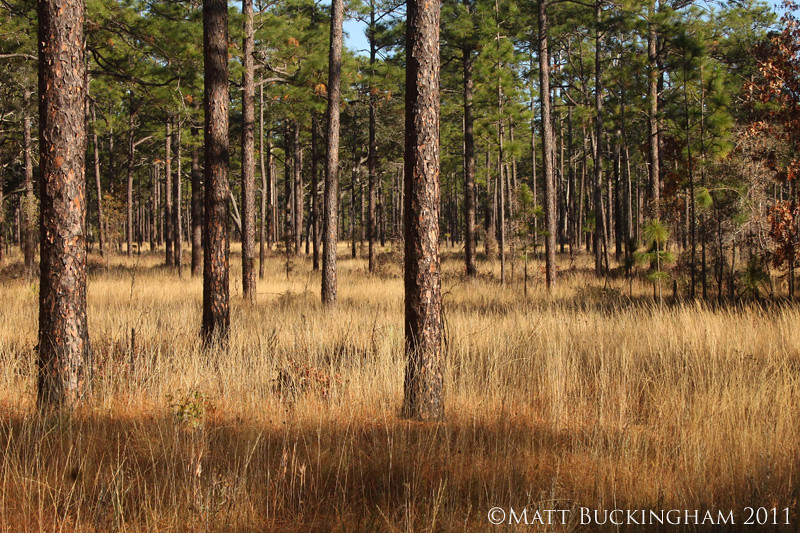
(329, 226)
(547, 148)
(424, 378)
(314, 191)
(64, 356)
(655, 185)
(297, 169)
(129, 195)
(248, 156)
(601, 247)
(216, 310)
(372, 148)
(100, 218)
(177, 239)
(169, 257)
(469, 164)
(690, 167)
(265, 189)
(197, 204)
(152, 224)
(29, 201)
(3, 241)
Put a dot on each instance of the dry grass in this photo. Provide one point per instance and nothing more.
(582, 398)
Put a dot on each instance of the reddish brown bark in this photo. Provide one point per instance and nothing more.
(548, 148)
(216, 311)
(469, 164)
(424, 377)
(63, 334)
(331, 201)
(248, 157)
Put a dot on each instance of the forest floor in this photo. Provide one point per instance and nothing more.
(583, 398)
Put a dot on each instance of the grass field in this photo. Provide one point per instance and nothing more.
(582, 398)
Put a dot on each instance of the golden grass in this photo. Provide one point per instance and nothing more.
(580, 398)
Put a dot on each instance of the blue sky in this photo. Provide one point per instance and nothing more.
(357, 41)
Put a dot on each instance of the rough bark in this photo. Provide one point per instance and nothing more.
(331, 198)
(248, 156)
(216, 310)
(424, 377)
(548, 149)
(600, 243)
(63, 364)
(469, 163)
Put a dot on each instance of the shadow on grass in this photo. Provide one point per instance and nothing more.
(95, 472)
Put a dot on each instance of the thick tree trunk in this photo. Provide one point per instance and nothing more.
(248, 156)
(29, 201)
(177, 238)
(424, 378)
(331, 215)
(169, 257)
(197, 205)
(469, 164)
(216, 310)
(548, 149)
(63, 359)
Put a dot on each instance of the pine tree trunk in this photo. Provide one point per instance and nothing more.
(265, 189)
(297, 168)
(99, 189)
(197, 205)
(248, 156)
(655, 186)
(314, 191)
(331, 214)
(469, 163)
(424, 377)
(600, 246)
(129, 181)
(63, 358)
(177, 239)
(29, 201)
(372, 148)
(216, 311)
(548, 148)
(169, 257)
